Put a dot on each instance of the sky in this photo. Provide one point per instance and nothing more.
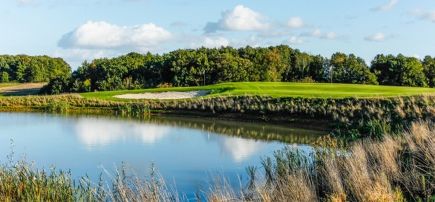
(79, 30)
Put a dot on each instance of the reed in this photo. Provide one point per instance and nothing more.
(352, 118)
(73, 103)
(394, 169)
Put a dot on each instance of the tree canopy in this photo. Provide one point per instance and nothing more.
(23, 68)
(204, 66)
(399, 70)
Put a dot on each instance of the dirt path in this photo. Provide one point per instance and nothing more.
(21, 89)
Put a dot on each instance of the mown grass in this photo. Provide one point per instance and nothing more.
(397, 168)
(282, 89)
(2, 85)
(20, 89)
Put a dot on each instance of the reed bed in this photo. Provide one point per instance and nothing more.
(353, 117)
(73, 103)
(394, 169)
(397, 168)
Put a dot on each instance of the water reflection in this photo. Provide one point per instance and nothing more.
(101, 132)
(240, 149)
(185, 151)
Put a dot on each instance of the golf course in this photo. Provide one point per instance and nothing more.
(281, 90)
(220, 101)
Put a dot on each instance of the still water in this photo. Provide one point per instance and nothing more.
(189, 153)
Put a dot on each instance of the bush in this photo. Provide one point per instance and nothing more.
(56, 86)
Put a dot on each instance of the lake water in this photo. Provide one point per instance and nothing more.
(189, 153)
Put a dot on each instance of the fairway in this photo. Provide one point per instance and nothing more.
(282, 89)
(20, 89)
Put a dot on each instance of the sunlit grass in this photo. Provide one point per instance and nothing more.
(2, 85)
(282, 89)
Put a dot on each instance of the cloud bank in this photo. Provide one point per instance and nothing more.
(377, 37)
(240, 18)
(103, 35)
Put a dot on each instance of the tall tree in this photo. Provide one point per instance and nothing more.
(350, 69)
(429, 70)
(399, 70)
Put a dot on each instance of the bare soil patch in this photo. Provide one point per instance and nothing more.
(21, 89)
(165, 95)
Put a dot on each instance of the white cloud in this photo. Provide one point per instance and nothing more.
(417, 56)
(103, 35)
(294, 40)
(241, 149)
(89, 132)
(330, 35)
(378, 37)
(215, 42)
(75, 57)
(388, 6)
(241, 18)
(317, 33)
(425, 15)
(295, 22)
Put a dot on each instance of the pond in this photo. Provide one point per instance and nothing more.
(188, 152)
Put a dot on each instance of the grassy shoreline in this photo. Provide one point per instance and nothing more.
(351, 117)
(352, 110)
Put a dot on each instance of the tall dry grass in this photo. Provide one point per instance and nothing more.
(400, 168)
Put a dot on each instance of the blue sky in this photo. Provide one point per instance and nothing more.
(84, 29)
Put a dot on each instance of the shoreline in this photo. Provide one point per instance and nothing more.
(347, 117)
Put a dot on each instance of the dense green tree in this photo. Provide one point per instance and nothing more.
(4, 77)
(232, 68)
(23, 68)
(203, 66)
(56, 86)
(303, 65)
(429, 70)
(350, 69)
(399, 70)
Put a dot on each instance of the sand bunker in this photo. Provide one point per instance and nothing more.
(165, 95)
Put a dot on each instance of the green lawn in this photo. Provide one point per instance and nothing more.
(281, 89)
(2, 85)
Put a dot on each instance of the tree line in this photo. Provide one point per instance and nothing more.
(204, 66)
(23, 68)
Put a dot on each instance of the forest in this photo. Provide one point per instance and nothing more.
(205, 66)
(26, 69)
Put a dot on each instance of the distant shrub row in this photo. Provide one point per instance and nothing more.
(23, 68)
(193, 67)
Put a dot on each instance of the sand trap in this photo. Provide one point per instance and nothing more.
(165, 95)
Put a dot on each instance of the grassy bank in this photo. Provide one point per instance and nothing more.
(2, 85)
(73, 104)
(283, 90)
(399, 168)
(351, 117)
(352, 110)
